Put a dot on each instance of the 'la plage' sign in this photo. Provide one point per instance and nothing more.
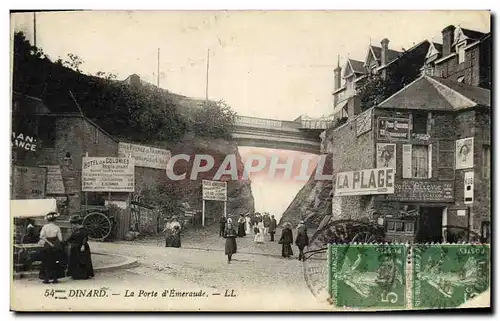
(365, 182)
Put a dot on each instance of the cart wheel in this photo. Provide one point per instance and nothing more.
(98, 226)
(363, 237)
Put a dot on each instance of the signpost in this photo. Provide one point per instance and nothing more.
(214, 191)
(365, 182)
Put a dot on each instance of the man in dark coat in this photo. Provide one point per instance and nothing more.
(286, 240)
(222, 226)
(272, 227)
(302, 239)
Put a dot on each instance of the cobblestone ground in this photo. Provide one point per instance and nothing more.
(262, 281)
(208, 238)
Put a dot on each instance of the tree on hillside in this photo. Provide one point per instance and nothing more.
(135, 113)
(215, 119)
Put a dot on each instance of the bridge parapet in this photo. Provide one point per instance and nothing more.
(266, 123)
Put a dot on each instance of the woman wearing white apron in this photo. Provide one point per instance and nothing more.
(248, 226)
(259, 238)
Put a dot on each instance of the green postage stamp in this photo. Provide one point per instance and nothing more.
(448, 275)
(367, 275)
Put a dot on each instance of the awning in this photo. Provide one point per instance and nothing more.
(32, 208)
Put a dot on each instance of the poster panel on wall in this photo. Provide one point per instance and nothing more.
(464, 153)
(386, 155)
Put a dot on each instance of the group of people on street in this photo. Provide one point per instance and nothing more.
(286, 240)
(262, 225)
(55, 263)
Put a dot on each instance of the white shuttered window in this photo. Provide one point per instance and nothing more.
(417, 161)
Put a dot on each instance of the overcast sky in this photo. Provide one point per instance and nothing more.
(271, 64)
(274, 64)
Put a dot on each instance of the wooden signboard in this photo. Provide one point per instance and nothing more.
(28, 182)
(55, 184)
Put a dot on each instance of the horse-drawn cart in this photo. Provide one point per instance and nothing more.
(98, 222)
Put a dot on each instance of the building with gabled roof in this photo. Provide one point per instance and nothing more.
(464, 56)
(435, 134)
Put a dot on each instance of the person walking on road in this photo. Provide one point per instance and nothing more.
(222, 226)
(230, 236)
(267, 221)
(259, 237)
(272, 227)
(248, 225)
(241, 226)
(286, 240)
(302, 239)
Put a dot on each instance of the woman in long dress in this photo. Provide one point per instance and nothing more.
(230, 236)
(80, 261)
(248, 225)
(302, 239)
(52, 255)
(241, 226)
(173, 233)
(286, 240)
(259, 238)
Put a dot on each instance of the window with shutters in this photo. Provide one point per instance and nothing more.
(486, 161)
(461, 53)
(420, 161)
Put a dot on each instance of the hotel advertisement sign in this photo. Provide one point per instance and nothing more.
(145, 156)
(214, 191)
(423, 191)
(108, 174)
(393, 128)
(365, 182)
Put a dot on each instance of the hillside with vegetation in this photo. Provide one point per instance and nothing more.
(142, 114)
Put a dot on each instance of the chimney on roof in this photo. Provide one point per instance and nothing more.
(384, 54)
(337, 74)
(135, 80)
(448, 39)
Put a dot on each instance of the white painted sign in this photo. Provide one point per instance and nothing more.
(145, 156)
(468, 187)
(461, 212)
(365, 182)
(107, 174)
(55, 184)
(464, 153)
(214, 191)
(120, 204)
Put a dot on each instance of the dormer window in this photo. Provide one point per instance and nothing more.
(461, 52)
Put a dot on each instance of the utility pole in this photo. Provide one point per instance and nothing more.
(34, 29)
(158, 71)
(206, 88)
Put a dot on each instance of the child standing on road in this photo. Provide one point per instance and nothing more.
(230, 236)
